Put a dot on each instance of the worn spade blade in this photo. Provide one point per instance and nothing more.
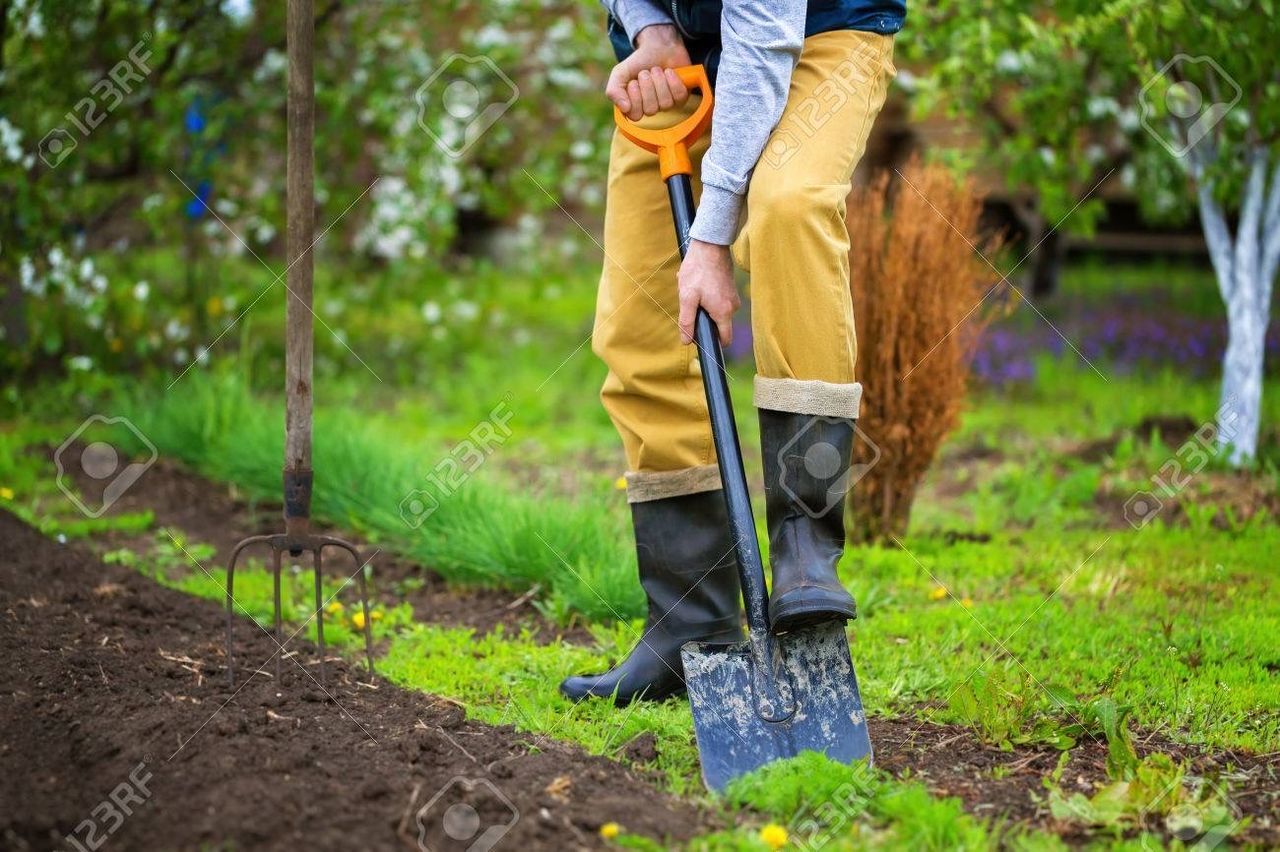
(824, 712)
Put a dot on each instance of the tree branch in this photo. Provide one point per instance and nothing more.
(1212, 221)
(1270, 234)
(1246, 264)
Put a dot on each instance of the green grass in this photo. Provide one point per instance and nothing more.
(1069, 402)
(478, 533)
(1040, 610)
(1169, 620)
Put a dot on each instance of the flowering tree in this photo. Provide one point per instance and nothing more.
(1178, 99)
(120, 122)
(1210, 101)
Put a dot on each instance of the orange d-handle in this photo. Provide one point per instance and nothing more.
(671, 144)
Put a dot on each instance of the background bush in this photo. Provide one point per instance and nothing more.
(916, 282)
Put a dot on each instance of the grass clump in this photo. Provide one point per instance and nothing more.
(472, 531)
(828, 805)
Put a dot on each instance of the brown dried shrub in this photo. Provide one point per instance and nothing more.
(918, 279)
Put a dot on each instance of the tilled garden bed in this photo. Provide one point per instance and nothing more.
(118, 721)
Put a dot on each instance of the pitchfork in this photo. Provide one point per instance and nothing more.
(300, 185)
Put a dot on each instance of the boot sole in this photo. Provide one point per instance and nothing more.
(624, 700)
(793, 616)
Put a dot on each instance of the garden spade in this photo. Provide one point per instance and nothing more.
(769, 697)
(297, 537)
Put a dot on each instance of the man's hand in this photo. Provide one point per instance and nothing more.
(643, 83)
(706, 280)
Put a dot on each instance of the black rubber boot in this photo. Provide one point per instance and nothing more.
(806, 474)
(690, 576)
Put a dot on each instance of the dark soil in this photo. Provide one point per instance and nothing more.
(951, 761)
(108, 675)
(218, 515)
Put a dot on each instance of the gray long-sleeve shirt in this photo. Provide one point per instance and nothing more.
(760, 45)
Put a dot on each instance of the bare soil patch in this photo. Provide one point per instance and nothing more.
(108, 675)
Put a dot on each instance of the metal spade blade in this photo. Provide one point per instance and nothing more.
(824, 713)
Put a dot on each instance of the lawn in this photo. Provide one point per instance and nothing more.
(1115, 668)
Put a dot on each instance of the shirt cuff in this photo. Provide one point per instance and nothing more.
(717, 217)
(635, 15)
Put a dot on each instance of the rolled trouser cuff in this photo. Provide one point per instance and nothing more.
(645, 485)
(823, 399)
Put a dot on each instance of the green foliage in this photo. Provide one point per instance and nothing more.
(1065, 93)
(1000, 703)
(389, 189)
(1158, 796)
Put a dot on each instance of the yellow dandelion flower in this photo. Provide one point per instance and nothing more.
(6, 493)
(610, 830)
(334, 608)
(967, 602)
(357, 621)
(620, 483)
(376, 615)
(774, 836)
(937, 593)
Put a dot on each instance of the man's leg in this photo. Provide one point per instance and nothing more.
(796, 246)
(654, 395)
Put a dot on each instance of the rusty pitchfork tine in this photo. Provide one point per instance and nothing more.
(275, 585)
(296, 544)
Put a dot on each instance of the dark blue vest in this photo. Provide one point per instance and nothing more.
(699, 24)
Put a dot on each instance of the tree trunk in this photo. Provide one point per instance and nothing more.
(1245, 267)
(1047, 265)
(1240, 409)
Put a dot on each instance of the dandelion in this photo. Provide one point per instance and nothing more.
(357, 620)
(620, 483)
(334, 608)
(6, 493)
(774, 836)
(937, 593)
(610, 830)
(966, 602)
(376, 615)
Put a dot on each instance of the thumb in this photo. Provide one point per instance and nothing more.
(616, 89)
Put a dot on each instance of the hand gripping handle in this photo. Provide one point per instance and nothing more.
(671, 144)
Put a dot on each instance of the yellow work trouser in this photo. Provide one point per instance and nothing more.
(795, 246)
